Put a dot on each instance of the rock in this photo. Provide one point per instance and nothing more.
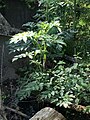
(6, 28)
(4, 25)
(48, 114)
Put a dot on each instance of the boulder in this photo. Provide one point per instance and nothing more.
(48, 114)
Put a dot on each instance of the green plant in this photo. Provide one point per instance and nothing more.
(38, 45)
(74, 18)
(46, 75)
(87, 110)
(60, 85)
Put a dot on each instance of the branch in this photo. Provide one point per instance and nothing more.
(16, 111)
(79, 108)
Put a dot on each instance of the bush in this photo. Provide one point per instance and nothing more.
(45, 76)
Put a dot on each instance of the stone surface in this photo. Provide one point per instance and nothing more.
(5, 27)
(48, 114)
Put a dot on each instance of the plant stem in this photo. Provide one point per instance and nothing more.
(47, 7)
(44, 57)
(74, 22)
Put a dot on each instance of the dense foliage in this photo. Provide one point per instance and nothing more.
(54, 34)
